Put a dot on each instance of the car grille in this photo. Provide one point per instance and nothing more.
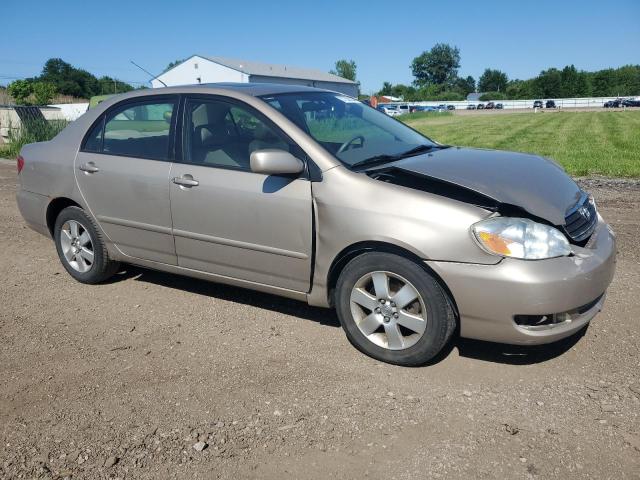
(581, 220)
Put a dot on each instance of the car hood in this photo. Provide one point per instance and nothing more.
(532, 183)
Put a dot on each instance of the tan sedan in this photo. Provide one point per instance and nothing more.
(312, 195)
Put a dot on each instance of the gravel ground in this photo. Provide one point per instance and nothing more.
(158, 376)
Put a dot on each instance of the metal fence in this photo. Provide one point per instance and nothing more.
(588, 102)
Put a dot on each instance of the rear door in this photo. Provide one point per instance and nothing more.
(123, 171)
(228, 220)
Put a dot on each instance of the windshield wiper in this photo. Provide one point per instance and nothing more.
(379, 159)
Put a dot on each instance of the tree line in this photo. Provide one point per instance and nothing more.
(61, 78)
(435, 73)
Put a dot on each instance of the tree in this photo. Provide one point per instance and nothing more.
(437, 66)
(20, 90)
(465, 85)
(76, 82)
(386, 89)
(548, 84)
(345, 69)
(112, 85)
(519, 89)
(493, 81)
(175, 63)
(43, 92)
(487, 96)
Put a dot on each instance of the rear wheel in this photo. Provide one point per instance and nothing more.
(393, 310)
(80, 246)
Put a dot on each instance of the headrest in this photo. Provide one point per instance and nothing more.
(209, 135)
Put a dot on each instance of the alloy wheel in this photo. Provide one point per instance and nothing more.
(77, 246)
(388, 310)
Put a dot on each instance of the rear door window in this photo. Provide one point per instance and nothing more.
(142, 129)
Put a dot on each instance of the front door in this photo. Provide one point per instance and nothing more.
(228, 220)
(123, 174)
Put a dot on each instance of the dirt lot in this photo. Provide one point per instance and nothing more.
(122, 381)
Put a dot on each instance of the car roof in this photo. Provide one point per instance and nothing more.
(236, 89)
(253, 89)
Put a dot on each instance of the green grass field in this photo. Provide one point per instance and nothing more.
(585, 143)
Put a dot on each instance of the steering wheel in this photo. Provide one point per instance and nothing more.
(347, 145)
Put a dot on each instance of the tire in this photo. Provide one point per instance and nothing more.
(81, 248)
(385, 334)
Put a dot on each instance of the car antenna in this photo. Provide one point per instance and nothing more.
(149, 73)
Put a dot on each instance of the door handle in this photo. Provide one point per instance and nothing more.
(186, 181)
(89, 167)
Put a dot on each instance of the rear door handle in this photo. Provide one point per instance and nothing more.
(186, 181)
(89, 167)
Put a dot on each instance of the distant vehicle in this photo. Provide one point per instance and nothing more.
(630, 102)
(490, 106)
(550, 104)
(499, 106)
(404, 109)
(537, 104)
(471, 106)
(425, 108)
(480, 106)
(451, 107)
(391, 110)
(613, 103)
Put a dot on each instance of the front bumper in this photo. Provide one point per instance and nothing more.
(488, 297)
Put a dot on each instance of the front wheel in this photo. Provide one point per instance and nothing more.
(81, 248)
(393, 309)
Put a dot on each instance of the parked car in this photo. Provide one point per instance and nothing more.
(426, 108)
(613, 103)
(490, 106)
(451, 107)
(471, 106)
(404, 109)
(537, 104)
(630, 102)
(550, 104)
(499, 106)
(311, 195)
(391, 110)
(480, 106)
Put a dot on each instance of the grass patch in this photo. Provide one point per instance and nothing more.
(37, 131)
(407, 117)
(585, 143)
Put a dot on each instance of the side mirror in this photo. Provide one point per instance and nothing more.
(271, 161)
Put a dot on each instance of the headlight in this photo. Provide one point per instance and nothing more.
(520, 238)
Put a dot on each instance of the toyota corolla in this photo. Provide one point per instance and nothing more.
(311, 195)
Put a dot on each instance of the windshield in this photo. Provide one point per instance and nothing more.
(352, 131)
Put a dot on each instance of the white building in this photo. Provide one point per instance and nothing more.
(200, 69)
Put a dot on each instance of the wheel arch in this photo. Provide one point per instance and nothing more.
(55, 207)
(357, 249)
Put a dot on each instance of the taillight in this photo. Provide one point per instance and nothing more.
(20, 163)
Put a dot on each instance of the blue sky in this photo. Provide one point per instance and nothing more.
(520, 38)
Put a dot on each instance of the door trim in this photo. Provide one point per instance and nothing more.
(236, 243)
(133, 224)
(217, 278)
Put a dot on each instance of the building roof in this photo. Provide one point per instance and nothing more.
(272, 70)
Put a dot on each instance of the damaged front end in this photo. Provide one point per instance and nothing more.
(571, 211)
